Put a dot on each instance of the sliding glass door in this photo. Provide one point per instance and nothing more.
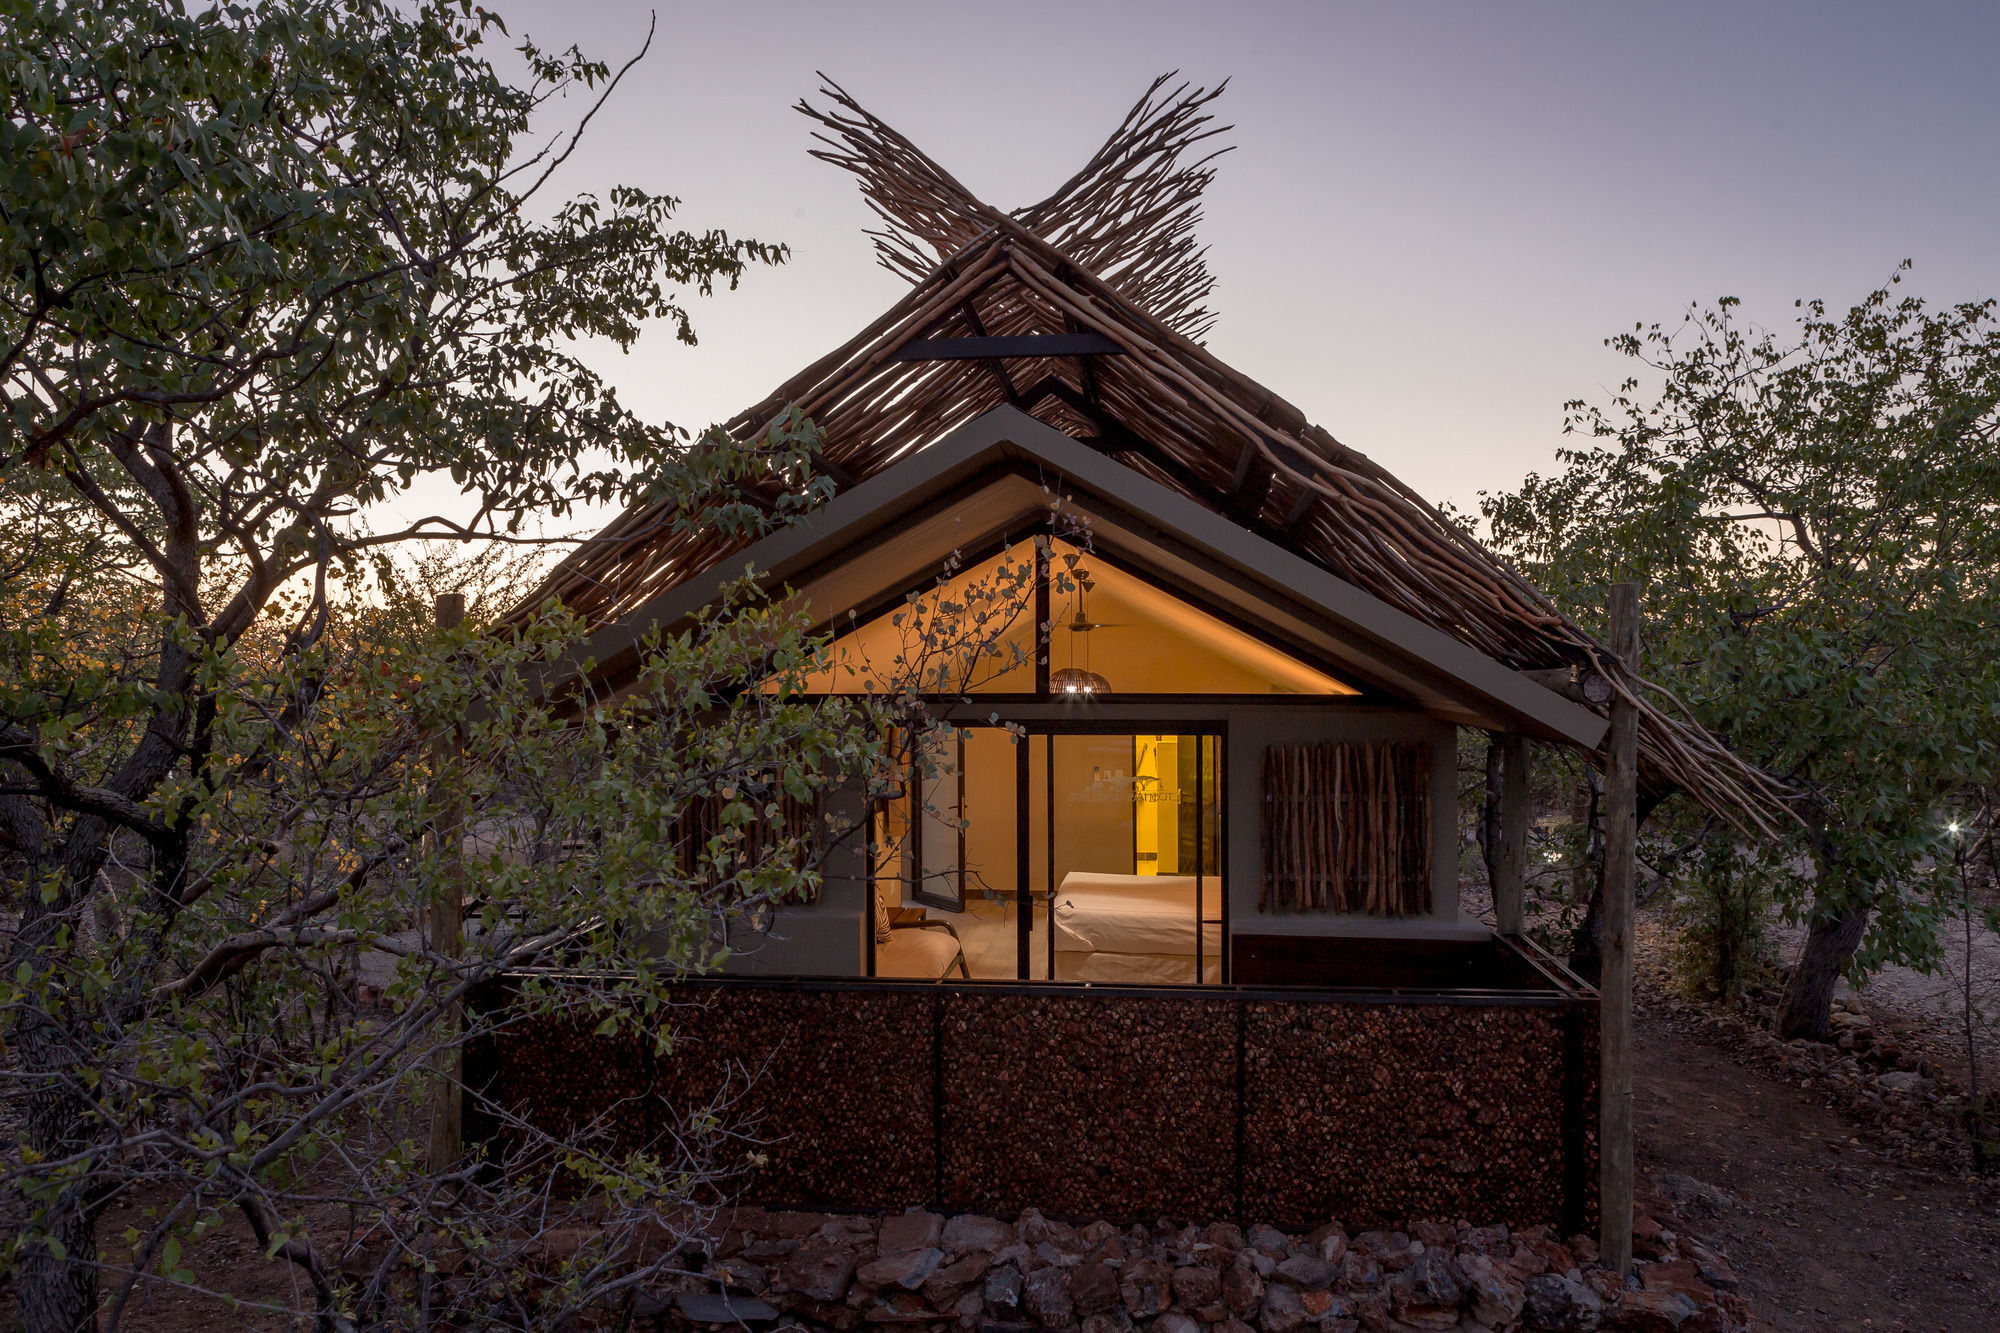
(1124, 858)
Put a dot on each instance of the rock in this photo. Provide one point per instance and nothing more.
(1196, 1285)
(1215, 1312)
(741, 1274)
(1093, 1288)
(907, 1269)
(1496, 1297)
(1679, 1276)
(1045, 1296)
(1713, 1269)
(1242, 1289)
(1604, 1283)
(1907, 1081)
(1146, 1287)
(1282, 1311)
(1436, 1279)
(1551, 1302)
(775, 1248)
(821, 1273)
(1433, 1234)
(1360, 1270)
(1035, 1229)
(914, 1230)
(1649, 1312)
(1305, 1270)
(708, 1307)
(1485, 1240)
(1109, 1321)
(970, 1232)
(1049, 1254)
(944, 1286)
(1379, 1243)
(847, 1230)
(1112, 1249)
(1270, 1240)
(1175, 1322)
(902, 1307)
(1429, 1321)
(1329, 1243)
(1234, 1326)
(1003, 1292)
(1224, 1236)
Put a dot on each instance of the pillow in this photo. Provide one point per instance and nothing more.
(881, 917)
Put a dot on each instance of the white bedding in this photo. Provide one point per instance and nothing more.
(1136, 914)
(1135, 969)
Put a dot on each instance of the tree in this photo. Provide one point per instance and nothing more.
(1814, 522)
(265, 268)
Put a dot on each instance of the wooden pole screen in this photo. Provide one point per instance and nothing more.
(1346, 828)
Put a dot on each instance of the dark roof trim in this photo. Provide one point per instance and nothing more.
(1019, 345)
(1005, 434)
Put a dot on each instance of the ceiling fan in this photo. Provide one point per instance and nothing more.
(1081, 623)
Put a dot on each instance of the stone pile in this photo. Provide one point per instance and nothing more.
(972, 1274)
(1888, 1085)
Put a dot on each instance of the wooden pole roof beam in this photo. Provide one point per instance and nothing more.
(1099, 294)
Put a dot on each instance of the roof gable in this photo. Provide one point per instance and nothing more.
(1110, 259)
(1000, 478)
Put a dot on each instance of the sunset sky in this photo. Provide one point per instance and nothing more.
(1434, 213)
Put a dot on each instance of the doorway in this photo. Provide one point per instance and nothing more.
(1124, 852)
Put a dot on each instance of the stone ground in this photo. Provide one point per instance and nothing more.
(1827, 1234)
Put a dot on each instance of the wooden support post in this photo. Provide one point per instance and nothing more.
(1512, 865)
(1621, 834)
(447, 910)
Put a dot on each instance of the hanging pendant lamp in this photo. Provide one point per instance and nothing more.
(1074, 679)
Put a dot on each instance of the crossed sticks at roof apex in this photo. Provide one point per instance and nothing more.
(1129, 215)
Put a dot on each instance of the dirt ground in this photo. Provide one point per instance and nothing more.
(1827, 1235)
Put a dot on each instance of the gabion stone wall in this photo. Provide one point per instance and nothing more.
(1119, 1106)
(1375, 1113)
(834, 1089)
(1288, 1109)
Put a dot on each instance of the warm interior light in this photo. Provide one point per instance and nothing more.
(1075, 680)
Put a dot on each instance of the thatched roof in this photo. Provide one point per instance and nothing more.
(1113, 253)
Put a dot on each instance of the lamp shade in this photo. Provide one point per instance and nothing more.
(1075, 680)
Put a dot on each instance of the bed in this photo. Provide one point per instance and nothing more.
(1136, 929)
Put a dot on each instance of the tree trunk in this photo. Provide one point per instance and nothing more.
(1490, 844)
(58, 1291)
(1586, 947)
(60, 1295)
(1830, 942)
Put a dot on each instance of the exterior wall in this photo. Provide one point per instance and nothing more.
(1273, 1107)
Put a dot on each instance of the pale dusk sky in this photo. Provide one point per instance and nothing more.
(1434, 213)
